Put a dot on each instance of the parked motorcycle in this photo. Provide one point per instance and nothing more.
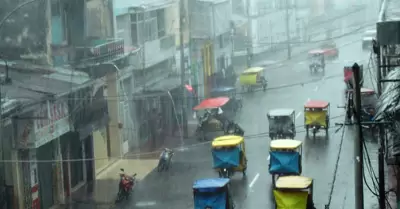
(165, 161)
(126, 184)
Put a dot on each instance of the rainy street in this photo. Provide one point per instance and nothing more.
(290, 86)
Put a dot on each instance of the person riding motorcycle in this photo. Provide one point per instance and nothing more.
(165, 155)
(126, 182)
(234, 128)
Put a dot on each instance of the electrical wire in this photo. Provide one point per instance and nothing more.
(273, 88)
(337, 161)
(138, 155)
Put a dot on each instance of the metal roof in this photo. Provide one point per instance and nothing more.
(122, 7)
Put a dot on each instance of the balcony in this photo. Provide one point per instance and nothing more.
(155, 51)
(98, 51)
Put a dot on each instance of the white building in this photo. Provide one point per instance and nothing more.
(265, 26)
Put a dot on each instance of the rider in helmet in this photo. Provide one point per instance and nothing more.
(165, 154)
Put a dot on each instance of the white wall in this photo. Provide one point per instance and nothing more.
(124, 30)
(271, 28)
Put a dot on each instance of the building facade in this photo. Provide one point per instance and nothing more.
(211, 42)
(78, 114)
(149, 27)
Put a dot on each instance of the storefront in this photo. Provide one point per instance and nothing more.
(91, 139)
(157, 109)
(38, 140)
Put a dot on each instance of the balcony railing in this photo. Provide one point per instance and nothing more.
(167, 42)
(99, 51)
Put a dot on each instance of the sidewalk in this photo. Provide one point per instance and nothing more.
(102, 192)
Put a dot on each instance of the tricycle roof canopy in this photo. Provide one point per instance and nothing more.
(210, 183)
(316, 104)
(280, 112)
(285, 144)
(367, 91)
(212, 103)
(316, 51)
(253, 70)
(293, 182)
(229, 140)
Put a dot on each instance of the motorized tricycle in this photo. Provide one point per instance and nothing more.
(212, 193)
(253, 78)
(285, 158)
(282, 123)
(229, 155)
(212, 121)
(330, 50)
(316, 61)
(125, 186)
(294, 192)
(234, 103)
(316, 116)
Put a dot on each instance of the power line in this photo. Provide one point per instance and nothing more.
(128, 156)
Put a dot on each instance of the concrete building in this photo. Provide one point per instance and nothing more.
(60, 114)
(211, 42)
(261, 26)
(150, 27)
(388, 44)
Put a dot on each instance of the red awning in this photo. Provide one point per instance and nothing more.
(316, 104)
(348, 73)
(212, 103)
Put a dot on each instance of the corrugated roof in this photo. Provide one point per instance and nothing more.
(122, 6)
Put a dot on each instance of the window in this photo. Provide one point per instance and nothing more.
(144, 27)
(161, 23)
(55, 8)
(134, 34)
(151, 29)
(140, 17)
(133, 17)
(221, 41)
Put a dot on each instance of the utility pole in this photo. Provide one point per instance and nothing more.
(358, 142)
(143, 46)
(381, 156)
(249, 41)
(289, 48)
(182, 64)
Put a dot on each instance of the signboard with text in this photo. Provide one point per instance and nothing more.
(52, 122)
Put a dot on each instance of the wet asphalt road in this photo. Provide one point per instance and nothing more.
(172, 189)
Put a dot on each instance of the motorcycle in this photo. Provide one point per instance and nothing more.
(234, 129)
(125, 185)
(164, 164)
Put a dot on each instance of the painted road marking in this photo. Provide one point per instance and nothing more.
(298, 115)
(316, 88)
(254, 180)
(308, 99)
(146, 204)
